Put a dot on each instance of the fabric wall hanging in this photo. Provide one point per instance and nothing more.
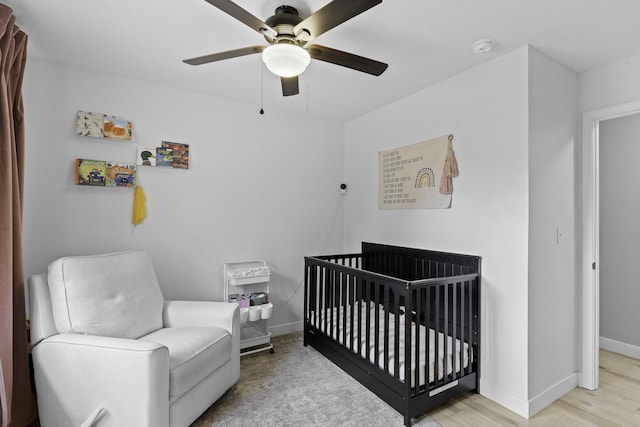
(417, 176)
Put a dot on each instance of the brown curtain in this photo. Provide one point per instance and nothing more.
(18, 402)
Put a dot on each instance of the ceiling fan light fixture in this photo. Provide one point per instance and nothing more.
(286, 60)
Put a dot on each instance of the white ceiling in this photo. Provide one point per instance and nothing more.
(423, 41)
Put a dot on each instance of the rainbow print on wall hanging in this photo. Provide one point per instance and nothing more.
(425, 178)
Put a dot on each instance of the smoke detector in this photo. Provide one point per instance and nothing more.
(483, 46)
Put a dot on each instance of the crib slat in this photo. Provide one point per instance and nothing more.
(319, 298)
(343, 307)
(325, 298)
(367, 315)
(331, 300)
(329, 306)
(405, 349)
(427, 319)
(376, 324)
(352, 300)
(436, 364)
(360, 296)
(386, 331)
(309, 300)
(463, 330)
(445, 362)
(471, 329)
(418, 296)
(316, 285)
(396, 341)
(316, 292)
(454, 341)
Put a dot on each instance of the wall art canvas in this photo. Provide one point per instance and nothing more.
(180, 154)
(104, 173)
(98, 125)
(91, 172)
(121, 175)
(164, 157)
(146, 156)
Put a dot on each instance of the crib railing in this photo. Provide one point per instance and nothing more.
(440, 295)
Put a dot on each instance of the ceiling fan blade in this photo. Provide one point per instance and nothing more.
(332, 15)
(290, 86)
(232, 9)
(224, 55)
(346, 59)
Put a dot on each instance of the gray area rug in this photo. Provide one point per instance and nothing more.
(297, 386)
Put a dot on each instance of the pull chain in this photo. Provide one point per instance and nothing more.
(261, 88)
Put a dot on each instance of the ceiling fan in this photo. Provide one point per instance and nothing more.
(288, 35)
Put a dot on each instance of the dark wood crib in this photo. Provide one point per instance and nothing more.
(404, 322)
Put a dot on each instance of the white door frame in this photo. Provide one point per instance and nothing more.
(591, 237)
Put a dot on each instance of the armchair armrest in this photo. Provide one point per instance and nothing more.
(181, 314)
(125, 382)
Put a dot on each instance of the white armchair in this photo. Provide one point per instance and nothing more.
(108, 350)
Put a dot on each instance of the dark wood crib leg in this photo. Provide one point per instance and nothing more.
(407, 421)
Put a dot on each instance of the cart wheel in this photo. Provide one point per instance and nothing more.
(272, 351)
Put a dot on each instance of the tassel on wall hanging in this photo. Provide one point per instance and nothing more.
(450, 169)
(139, 212)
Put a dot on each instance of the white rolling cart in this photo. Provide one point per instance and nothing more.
(247, 283)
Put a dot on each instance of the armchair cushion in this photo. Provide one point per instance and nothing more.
(115, 295)
(194, 353)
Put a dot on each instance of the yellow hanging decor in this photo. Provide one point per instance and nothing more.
(139, 212)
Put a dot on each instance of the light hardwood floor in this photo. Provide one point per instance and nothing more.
(615, 403)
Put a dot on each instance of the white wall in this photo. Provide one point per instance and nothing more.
(553, 291)
(486, 109)
(609, 85)
(619, 230)
(260, 186)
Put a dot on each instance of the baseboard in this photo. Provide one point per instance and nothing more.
(552, 394)
(524, 408)
(625, 349)
(504, 398)
(287, 328)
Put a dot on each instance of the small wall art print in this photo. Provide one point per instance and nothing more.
(104, 173)
(98, 125)
(146, 156)
(164, 156)
(179, 154)
(169, 154)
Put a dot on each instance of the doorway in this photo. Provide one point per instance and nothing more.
(591, 237)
